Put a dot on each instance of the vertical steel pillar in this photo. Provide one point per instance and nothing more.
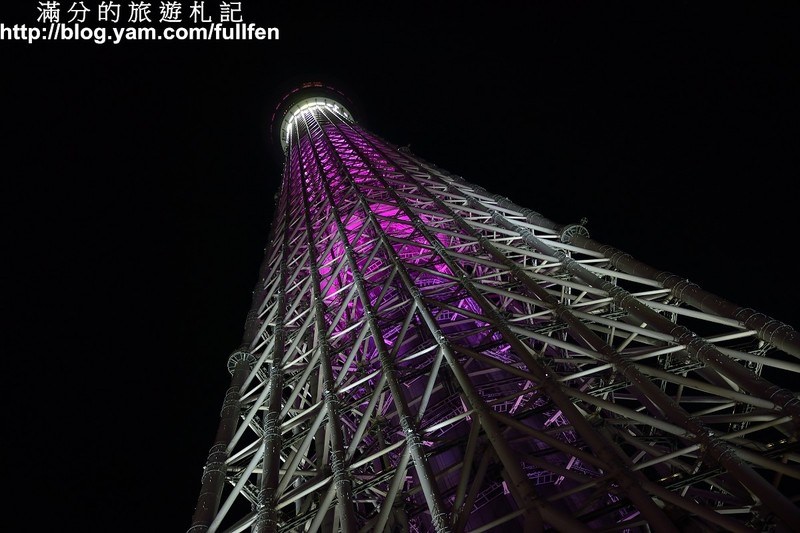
(213, 480)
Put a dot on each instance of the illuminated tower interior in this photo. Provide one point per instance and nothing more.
(424, 355)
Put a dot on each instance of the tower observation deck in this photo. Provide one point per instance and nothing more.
(424, 355)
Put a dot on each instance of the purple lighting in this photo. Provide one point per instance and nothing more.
(373, 198)
(423, 355)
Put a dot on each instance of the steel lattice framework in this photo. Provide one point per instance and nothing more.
(423, 355)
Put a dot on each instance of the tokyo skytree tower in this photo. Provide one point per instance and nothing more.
(424, 355)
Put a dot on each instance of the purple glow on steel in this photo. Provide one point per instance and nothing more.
(344, 153)
(349, 161)
(522, 373)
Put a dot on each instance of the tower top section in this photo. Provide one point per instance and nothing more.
(313, 97)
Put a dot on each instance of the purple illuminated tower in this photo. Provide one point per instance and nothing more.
(423, 355)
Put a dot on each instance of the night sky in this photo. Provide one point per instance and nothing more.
(138, 181)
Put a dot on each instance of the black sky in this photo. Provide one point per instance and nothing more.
(138, 181)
